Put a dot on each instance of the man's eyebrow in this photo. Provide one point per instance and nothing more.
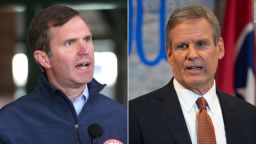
(180, 43)
(88, 36)
(69, 40)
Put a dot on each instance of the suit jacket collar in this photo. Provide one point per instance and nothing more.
(172, 115)
(171, 112)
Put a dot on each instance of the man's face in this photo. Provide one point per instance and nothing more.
(193, 55)
(71, 60)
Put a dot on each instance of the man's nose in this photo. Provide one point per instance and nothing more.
(83, 48)
(192, 53)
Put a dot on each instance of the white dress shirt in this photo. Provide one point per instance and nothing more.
(79, 102)
(187, 100)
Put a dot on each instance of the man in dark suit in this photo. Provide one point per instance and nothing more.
(171, 114)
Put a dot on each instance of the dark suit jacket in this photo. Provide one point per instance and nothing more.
(157, 118)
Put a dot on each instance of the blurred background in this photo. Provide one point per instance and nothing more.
(108, 23)
(148, 67)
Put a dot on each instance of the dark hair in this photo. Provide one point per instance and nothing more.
(38, 32)
(189, 12)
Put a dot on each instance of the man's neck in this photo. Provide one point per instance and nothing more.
(73, 93)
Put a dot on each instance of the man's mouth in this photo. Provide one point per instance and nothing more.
(82, 66)
(194, 67)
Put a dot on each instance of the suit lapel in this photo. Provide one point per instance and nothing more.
(231, 120)
(171, 112)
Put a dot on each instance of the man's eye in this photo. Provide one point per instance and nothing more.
(88, 39)
(69, 43)
(201, 44)
(182, 46)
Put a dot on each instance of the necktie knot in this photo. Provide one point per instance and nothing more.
(201, 103)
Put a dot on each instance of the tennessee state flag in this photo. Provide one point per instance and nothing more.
(237, 70)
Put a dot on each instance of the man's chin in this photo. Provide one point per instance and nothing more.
(199, 83)
(84, 80)
(196, 82)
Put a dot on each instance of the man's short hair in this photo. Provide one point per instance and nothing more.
(38, 32)
(189, 12)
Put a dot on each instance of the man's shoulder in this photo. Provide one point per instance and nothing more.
(145, 99)
(23, 102)
(101, 101)
(16, 103)
(236, 103)
(23, 107)
(108, 111)
(105, 100)
(14, 113)
(103, 104)
(150, 97)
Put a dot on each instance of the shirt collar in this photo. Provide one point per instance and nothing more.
(211, 97)
(84, 96)
(188, 98)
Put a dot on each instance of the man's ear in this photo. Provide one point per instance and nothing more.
(221, 49)
(42, 58)
(169, 55)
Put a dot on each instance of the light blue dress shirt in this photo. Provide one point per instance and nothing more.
(79, 102)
